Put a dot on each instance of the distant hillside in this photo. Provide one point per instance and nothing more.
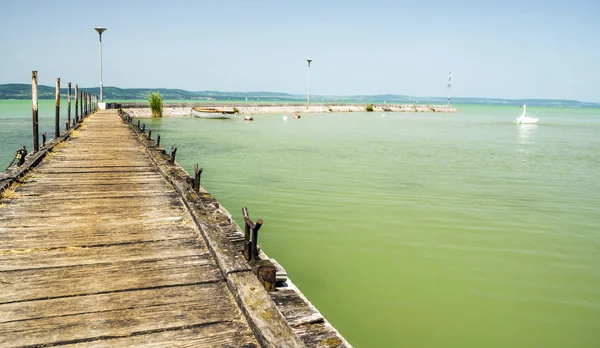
(23, 91)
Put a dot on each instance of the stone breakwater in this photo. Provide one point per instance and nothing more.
(185, 110)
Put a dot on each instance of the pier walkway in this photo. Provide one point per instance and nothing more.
(98, 249)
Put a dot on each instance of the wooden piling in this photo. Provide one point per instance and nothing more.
(158, 140)
(173, 153)
(81, 104)
(34, 107)
(197, 175)
(57, 115)
(44, 139)
(251, 246)
(69, 106)
(76, 103)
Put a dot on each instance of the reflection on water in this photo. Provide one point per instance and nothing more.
(526, 133)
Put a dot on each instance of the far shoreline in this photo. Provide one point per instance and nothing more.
(142, 110)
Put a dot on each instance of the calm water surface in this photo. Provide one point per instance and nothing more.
(413, 229)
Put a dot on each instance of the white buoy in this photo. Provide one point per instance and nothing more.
(284, 117)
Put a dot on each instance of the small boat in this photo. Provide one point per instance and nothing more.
(248, 118)
(211, 113)
(524, 119)
(297, 116)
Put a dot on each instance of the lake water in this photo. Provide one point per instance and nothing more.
(412, 229)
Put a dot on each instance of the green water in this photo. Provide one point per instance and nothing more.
(16, 127)
(416, 229)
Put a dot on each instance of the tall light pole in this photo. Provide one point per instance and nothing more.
(100, 30)
(308, 97)
(449, 86)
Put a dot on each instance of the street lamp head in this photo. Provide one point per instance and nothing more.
(100, 30)
(309, 60)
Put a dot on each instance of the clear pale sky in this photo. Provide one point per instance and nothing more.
(504, 49)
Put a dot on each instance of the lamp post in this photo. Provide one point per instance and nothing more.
(308, 97)
(449, 86)
(100, 30)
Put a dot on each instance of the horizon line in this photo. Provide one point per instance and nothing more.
(316, 95)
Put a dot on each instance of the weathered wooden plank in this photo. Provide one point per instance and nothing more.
(320, 335)
(268, 324)
(93, 199)
(90, 234)
(86, 304)
(112, 324)
(295, 310)
(94, 171)
(129, 179)
(40, 218)
(96, 204)
(226, 334)
(41, 257)
(30, 285)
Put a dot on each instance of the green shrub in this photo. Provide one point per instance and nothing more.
(236, 111)
(369, 108)
(156, 104)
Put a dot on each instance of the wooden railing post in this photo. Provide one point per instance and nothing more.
(158, 140)
(197, 174)
(57, 115)
(34, 107)
(173, 153)
(76, 103)
(44, 139)
(81, 104)
(69, 105)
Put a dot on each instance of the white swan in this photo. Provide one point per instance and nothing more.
(524, 119)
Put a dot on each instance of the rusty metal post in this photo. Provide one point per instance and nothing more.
(57, 115)
(34, 107)
(76, 103)
(69, 106)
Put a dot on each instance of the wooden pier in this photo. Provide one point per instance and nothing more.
(99, 247)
